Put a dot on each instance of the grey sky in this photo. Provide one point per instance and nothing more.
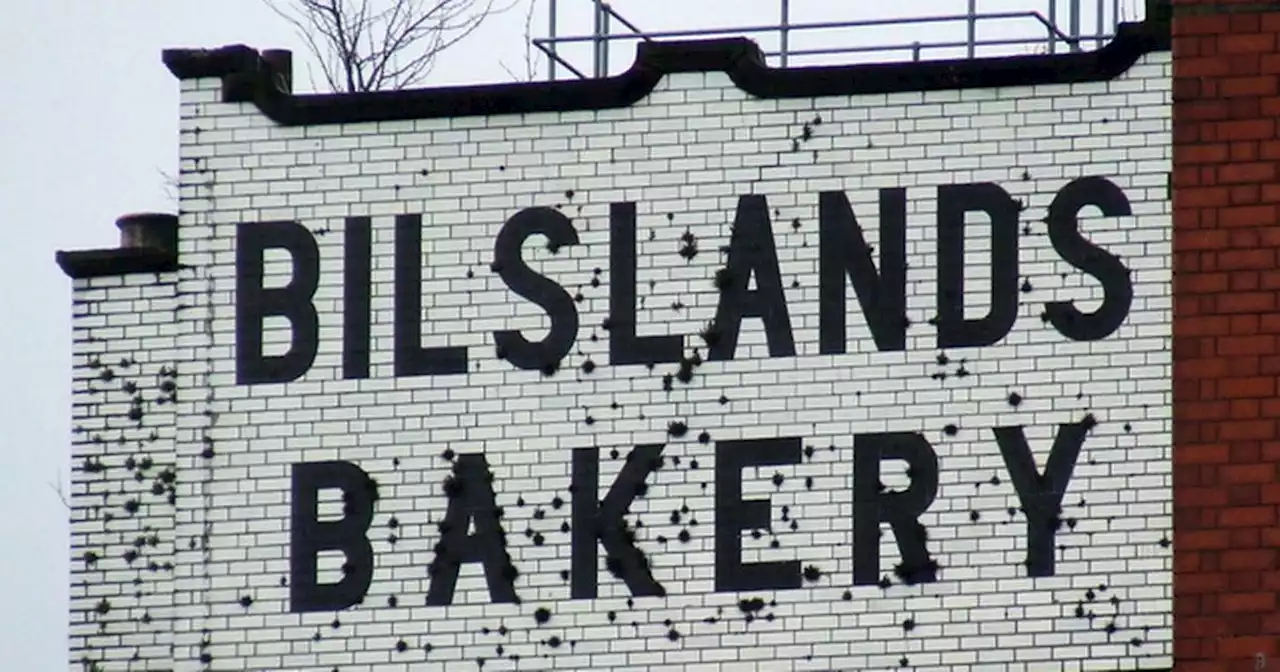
(87, 124)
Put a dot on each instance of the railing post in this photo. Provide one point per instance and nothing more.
(972, 20)
(1102, 21)
(596, 31)
(784, 32)
(1073, 24)
(1053, 22)
(604, 42)
(551, 43)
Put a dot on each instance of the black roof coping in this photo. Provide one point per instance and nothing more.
(263, 79)
(118, 261)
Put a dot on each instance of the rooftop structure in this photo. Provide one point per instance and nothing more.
(982, 28)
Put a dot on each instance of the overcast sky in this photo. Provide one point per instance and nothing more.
(88, 125)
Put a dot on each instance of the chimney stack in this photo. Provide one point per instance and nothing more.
(154, 230)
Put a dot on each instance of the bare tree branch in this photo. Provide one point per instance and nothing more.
(370, 45)
(57, 490)
(532, 61)
(319, 38)
(171, 185)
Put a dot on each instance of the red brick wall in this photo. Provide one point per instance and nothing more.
(1226, 351)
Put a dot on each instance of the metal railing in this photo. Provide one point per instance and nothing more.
(1044, 34)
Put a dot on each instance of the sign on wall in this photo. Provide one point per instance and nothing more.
(718, 378)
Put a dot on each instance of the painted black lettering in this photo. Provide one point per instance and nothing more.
(308, 536)
(624, 346)
(844, 252)
(356, 291)
(539, 289)
(1064, 232)
(734, 515)
(471, 503)
(954, 331)
(254, 302)
(752, 253)
(411, 359)
(1041, 495)
(872, 505)
(603, 523)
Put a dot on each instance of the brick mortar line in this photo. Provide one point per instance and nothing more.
(1214, 9)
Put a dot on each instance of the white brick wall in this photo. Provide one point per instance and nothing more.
(684, 154)
(123, 478)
